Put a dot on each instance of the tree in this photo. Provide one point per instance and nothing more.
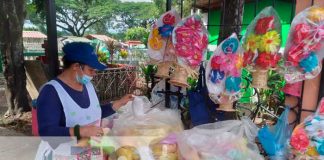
(12, 15)
(231, 18)
(135, 14)
(137, 33)
(76, 16)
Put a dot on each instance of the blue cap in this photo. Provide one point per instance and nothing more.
(83, 53)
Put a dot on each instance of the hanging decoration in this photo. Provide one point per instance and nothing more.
(160, 48)
(190, 39)
(304, 49)
(261, 44)
(223, 73)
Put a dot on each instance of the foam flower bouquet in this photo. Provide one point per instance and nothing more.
(304, 50)
(261, 44)
(190, 39)
(160, 47)
(307, 140)
(223, 73)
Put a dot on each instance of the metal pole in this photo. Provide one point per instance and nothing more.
(181, 5)
(52, 54)
(168, 5)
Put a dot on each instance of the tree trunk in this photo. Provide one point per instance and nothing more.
(231, 18)
(12, 15)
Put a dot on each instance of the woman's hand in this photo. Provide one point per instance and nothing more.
(90, 131)
(123, 101)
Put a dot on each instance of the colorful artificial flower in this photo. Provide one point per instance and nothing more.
(169, 19)
(252, 43)
(309, 63)
(230, 45)
(155, 32)
(320, 148)
(216, 76)
(166, 30)
(195, 59)
(215, 62)
(194, 24)
(239, 62)
(232, 84)
(184, 50)
(311, 151)
(270, 42)
(266, 60)
(264, 25)
(296, 53)
(321, 110)
(248, 58)
(155, 42)
(299, 140)
(301, 32)
(315, 14)
(228, 64)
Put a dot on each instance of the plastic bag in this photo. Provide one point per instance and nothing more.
(139, 119)
(228, 140)
(307, 140)
(305, 46)
(274, 138)
(190, 39)
(223, 71)
(262, 40)
(160, 47)
(165, 148)
(159, 98)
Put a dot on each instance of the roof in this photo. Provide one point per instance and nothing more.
(75, 39)
(100, 37)
(33, 34)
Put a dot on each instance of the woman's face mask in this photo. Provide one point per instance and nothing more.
(84, 79)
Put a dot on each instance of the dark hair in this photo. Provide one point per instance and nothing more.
(67, 63)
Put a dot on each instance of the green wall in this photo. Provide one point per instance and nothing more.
(282, 7)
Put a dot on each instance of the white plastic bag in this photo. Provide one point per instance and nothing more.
(141, 120)
(232, 139)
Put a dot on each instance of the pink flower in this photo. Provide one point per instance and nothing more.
(193, 24)
(302, 31)
(299, 139)
(321, 111)
(228, 64)
(195, 59)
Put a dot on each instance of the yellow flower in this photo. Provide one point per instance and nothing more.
(155, 32)
(239, 62)
(251, 43)
(155, 42)
(311, 151)
(315, 14)
(270, 42)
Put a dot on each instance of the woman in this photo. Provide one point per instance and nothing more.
(68, 105)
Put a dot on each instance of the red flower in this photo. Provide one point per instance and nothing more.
(299, 140)
(302, 31)
(214, 62)
(264, 24)
(267, 60)
(169, 19)
(248, 58)
(296, 53)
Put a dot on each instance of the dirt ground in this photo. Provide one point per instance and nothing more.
(9, 126)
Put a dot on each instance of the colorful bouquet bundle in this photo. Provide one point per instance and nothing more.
(307, 140)
(224, 72)
(160, 47)
(190, 39)
(304, 49)
(261, 44)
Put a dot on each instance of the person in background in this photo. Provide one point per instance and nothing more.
(68, 105)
